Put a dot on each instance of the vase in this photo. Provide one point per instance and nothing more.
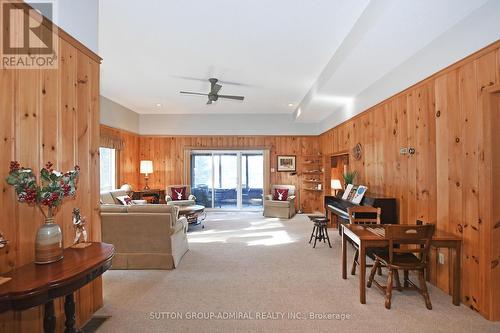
(48, 243)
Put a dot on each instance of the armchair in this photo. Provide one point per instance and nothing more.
(282, 209)
(191, 200)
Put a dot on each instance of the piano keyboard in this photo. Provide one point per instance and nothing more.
(377, 231)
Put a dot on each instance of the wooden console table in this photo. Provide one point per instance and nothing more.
(157, 194)
(33, 285)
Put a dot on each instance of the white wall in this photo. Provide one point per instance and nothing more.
(476, 31)
(118, 116)
(217, 124)
(79, 18)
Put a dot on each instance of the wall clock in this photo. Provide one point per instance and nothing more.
(357, 152)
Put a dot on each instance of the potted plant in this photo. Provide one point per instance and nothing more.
(349, 177)
(47, 195)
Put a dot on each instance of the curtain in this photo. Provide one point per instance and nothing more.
(267, 171)
(187, 167)
(111, 141)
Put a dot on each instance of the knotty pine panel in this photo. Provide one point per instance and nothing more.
(167, 154)
(128, 158)
(449, 179)
(488, 142)
(50, 115)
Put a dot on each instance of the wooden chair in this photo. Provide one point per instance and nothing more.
(363, 215)
(415, 239)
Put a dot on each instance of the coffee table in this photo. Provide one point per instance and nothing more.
(192, 213)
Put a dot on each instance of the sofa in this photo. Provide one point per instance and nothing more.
(281, 209)
(144, 236)
(111, 197)
(190, 201)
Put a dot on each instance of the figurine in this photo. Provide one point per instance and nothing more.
(79, 225)
(3, 241)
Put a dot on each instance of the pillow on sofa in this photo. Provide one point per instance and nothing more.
(179, 193)
(125, 200)
(280, 194)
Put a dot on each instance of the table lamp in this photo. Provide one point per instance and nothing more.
(146, 169)
(336, 185)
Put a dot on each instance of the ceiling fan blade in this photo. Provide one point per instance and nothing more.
(235, 83)
(193, 93)
(239, 98)
(219, 81)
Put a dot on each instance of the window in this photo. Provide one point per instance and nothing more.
(108, 168)
(228, 179)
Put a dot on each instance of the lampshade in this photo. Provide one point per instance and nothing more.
(335, 184)
(146, 167)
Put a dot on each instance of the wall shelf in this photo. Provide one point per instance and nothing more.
(312, 174)
(312, 189)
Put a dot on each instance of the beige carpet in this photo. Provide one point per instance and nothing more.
(258, 269)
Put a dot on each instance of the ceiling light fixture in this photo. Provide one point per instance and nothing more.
(158, 105)
(290, 105)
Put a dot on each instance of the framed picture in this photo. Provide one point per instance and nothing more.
(286, 163)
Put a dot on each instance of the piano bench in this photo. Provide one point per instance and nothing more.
(320, 231)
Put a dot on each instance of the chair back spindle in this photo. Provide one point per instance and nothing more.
(418, 235)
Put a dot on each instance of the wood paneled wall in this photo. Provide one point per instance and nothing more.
(448, 180)
(50, 115)
(167, 154)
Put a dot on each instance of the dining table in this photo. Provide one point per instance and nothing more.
(373, 236)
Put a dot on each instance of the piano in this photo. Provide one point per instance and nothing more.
(337, 206)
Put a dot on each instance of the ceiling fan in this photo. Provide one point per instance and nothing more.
(213, 95)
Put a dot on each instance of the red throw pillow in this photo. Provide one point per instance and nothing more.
(280, 194)
(178, 193)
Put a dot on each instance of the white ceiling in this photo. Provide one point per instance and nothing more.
(317, 55)
(275, 48)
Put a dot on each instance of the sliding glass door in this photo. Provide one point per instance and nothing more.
(228, 179)
(252, 180)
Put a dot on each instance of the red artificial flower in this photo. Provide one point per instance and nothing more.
(14, 165)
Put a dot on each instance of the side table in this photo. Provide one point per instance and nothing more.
(157, 195)
(33, 285)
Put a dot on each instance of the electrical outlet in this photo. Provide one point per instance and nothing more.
(272, 169)
(441, 258)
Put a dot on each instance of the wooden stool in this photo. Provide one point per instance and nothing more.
(320, 231)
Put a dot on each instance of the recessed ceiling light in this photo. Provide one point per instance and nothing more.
(291, 104)
(158, 105)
